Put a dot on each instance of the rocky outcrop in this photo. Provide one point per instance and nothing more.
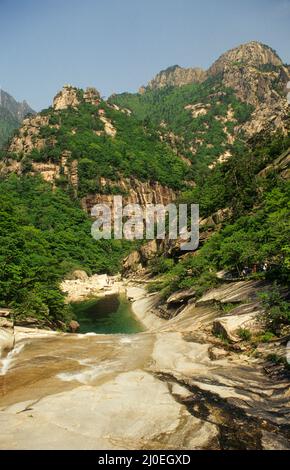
(132, 263)
(69, 97)
(66, 98)
(216, 219)
(28, 137)
(109, 129)
(50, 172)
(5, 312)
(149, 250)
(281, 165)
(78, 274)
(175, 76)
(8, 166)
(268, 118)
(138, 260)
(92, 96)
(198, 109)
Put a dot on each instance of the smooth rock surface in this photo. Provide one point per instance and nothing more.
(134, 410)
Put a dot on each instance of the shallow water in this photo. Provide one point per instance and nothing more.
(109, 315)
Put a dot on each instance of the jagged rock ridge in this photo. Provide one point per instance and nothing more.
(175, 76)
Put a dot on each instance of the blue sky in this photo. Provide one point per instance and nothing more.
(118, 45)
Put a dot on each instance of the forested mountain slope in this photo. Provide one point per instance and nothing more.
(241, 96)
(220, 141)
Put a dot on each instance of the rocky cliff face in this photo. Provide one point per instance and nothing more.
(133, 191)
(175, 76)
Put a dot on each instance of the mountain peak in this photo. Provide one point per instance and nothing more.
(17, 109)
(253, 53)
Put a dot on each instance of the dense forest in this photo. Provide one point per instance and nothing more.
(133, 151)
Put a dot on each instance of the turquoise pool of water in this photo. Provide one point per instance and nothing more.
(107, 315)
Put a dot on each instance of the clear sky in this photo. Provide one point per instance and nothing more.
(118, 45)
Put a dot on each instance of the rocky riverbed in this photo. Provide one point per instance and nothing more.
(174, 386)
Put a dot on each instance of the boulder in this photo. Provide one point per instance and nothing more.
(244, 316)
(74, 326)
(181, 297)
(228, 326)
(79, 275)
(217, 353)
